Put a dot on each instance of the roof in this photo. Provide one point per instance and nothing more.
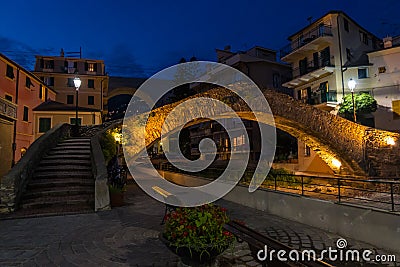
(118, 82)
(330, 13)
(51, 105)
(70, 58)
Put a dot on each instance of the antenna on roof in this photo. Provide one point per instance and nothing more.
(309, 20)
(75, 54)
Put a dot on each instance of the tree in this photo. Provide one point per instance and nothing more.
(364, 104)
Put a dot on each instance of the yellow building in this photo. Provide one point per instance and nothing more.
(51, 113)
(58, 72)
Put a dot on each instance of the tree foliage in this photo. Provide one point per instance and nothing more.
(364, 104)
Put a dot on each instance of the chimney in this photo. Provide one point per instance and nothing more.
(227, 48)
(62, 53)
(387, 42)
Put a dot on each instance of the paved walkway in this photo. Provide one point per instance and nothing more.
(128, 236)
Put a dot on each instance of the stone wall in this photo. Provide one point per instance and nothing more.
(15, 181)
(360, 149)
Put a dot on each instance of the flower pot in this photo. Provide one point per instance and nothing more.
(192, 257)
(116, 199)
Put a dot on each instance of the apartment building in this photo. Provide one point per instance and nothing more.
(20, 92)
(58, 72)
(321, 55)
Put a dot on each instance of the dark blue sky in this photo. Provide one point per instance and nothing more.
(138, 38)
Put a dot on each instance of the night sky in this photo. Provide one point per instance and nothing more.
(139, 38)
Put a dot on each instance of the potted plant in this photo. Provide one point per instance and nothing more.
(196, 234)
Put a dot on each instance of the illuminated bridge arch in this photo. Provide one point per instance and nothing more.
(360, 149)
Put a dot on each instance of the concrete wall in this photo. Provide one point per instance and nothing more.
(381, 229)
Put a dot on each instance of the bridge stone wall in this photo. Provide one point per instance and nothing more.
(360, 149)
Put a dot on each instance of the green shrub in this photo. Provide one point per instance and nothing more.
(108, 145)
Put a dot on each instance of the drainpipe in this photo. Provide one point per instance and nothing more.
(14, 144)
(340, 53)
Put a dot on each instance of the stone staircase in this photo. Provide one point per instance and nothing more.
(63, 182)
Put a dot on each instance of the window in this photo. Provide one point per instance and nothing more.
(90, 100)
(382, 69)
(90, 66)
(307, 151)
(276, 80)
(348, 54)
(346, 25)
(44, 124)
(396, 109)
(364, 37)
(41, 92)
(70, 82)
(90, 83)
(70, 99)
(362, 73)
(49, 81)
(9, 98)
(10, 72)
(49, 64)
(28, 82)
(72, 121)
(25, 116)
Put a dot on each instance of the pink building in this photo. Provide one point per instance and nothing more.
(20, 92)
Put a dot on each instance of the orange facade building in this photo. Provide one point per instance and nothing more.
(20, 92)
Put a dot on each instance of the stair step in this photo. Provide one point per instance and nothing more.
(65, 168)
(71, 148)
(54, 183)
(73, 140)
(69, 152)
(63, 174)
(66, 156)
(57, 201)
(60, 191)
(83, 144)
(64, 162)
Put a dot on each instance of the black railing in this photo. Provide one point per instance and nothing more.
(305, 38)
(311, 66)
(378, 193)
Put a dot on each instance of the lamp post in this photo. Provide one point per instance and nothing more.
(77, 83)
(352, 84)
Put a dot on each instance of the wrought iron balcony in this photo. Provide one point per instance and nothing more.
(311, 66)
(8, 109)
(305, 38)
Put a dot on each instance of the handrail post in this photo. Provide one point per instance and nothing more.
(339, 190)
(302, 185)
(391, 195)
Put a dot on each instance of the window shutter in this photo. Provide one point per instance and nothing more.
(95, 67)
(86, 66)
(41, 62)
(66, 64)
(75, 64)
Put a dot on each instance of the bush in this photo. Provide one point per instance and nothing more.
(108, 145)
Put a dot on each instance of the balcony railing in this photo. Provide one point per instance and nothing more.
(320, 98)
(312, 66)
(8, 109)
(319, 31)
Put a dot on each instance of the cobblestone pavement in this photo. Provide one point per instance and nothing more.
(128, 236)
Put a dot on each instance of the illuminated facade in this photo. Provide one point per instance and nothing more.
(58, 72)
(20, 92)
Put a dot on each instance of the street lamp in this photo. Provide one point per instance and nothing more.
(352, 84)
(77, 83)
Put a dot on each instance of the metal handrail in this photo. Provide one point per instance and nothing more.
(343, 190)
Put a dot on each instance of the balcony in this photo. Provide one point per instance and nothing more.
(311, 40)
(309, 71)
(8, 109)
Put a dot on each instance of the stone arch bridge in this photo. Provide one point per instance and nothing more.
(361, 150)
